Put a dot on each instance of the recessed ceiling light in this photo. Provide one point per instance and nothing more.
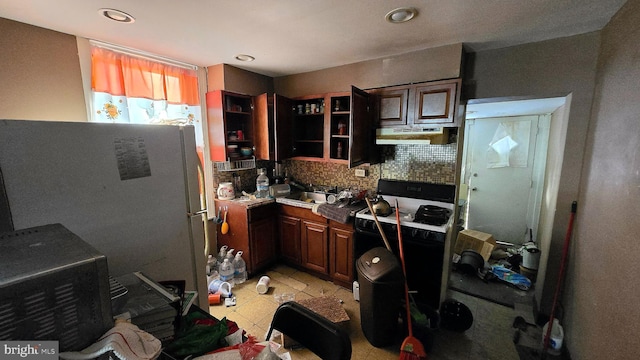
(244, 57)
(117, 15)
(401, 15)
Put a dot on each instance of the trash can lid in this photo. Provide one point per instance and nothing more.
(380, 265)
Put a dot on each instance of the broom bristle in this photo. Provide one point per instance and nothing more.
(411, 356)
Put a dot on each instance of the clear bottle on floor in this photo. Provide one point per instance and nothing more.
(226, 271)
(222, 254)
(239, 268)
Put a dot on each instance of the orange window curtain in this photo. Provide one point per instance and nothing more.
(120, 74)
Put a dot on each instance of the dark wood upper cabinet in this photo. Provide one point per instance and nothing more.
(335, 127)
(361, 128)
(229, 114)
(392, 105)
(435, 103)
(417, 105)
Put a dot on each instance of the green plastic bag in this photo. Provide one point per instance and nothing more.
(198, 336)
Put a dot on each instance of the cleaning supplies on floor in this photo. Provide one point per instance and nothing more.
(239, 268)
(556, 337)
(512, 277)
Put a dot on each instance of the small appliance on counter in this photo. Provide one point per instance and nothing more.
(279, 190)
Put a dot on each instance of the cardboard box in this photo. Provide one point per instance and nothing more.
(475, 240)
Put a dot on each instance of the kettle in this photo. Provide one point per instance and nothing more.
(381, 207)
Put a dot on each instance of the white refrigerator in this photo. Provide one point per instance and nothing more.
(131, 191)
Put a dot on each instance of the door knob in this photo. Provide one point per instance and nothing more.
(474, 189)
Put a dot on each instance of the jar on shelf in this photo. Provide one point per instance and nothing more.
(342, 127)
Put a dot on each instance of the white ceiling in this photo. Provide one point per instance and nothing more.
(295, 36)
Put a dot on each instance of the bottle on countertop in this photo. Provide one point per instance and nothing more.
(262, 184)
(239, 268)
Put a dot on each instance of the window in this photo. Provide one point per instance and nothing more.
(127, 88)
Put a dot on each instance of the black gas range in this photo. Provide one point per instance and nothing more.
(425, 210)
(426, 217)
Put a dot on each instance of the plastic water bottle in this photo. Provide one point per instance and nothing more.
(222, 254)
(212, 269)
(239, 268)
(211, 264)
(262, 184)
(226, 271)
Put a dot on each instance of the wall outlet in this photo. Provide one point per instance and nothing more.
(361, 172)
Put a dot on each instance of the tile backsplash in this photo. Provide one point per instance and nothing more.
(423, 163)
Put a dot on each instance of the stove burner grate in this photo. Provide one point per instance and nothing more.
(432, 215)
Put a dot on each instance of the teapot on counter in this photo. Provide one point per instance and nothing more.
(381, 207)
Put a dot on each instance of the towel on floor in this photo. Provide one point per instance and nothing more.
(126, 341)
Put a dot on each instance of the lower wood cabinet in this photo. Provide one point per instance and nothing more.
(312, 242)
(252, 230)
(341, 253)
(289, 234)
(314, 246)
(262, 242)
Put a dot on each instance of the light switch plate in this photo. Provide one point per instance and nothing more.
(361, 172)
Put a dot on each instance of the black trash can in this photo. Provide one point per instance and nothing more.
(381, 288)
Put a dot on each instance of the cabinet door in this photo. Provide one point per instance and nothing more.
(229, 123)
(262, 243)
(341, 255)
(435, 103)
(360, 134)
(314, 246)
(289, 233)
(264, 127)
(391, 106)
(283, 127)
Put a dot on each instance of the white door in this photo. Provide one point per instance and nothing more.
(502, 174)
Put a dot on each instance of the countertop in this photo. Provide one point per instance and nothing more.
(249, 203)
(246, 202)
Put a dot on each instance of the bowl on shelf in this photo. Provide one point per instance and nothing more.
(246, 151)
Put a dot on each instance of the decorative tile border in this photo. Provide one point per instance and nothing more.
(423, 163)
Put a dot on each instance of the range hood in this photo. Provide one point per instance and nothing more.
(406, 135)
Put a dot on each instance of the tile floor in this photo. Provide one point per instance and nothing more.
(490, 336)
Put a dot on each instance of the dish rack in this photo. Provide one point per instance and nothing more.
(233, 165)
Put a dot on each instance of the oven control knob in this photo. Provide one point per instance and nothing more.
(372, 225)
(393, 229)
(415, 233)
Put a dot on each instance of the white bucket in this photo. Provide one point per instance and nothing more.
(555, 338)
(530, 256)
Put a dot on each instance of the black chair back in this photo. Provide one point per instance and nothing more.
(312, 330)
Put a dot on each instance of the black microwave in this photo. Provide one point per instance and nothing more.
(53, 286)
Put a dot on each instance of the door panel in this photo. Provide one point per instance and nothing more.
(499, 197)
(360, 132)
(283, 127)
(314, 246)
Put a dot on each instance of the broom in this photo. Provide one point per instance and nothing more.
(411, 347)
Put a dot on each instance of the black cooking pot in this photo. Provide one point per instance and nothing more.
(470, 262)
